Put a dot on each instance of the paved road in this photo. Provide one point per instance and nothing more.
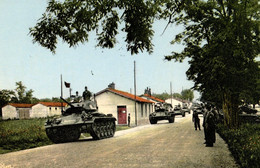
(163, 145)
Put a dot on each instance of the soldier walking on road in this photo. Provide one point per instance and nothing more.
(196, 120)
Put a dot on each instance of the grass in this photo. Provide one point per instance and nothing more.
(24, 134)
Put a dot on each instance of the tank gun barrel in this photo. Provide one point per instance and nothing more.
(66, 102)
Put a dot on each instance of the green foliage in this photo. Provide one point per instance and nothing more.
(72, 20)
(23, 134)
(22, 95)
(244, 143)
(221, 40)
(162, 96)
(6, 96)
(187, 94)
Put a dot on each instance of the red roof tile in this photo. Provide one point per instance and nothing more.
(53, 104)
(125, 94)
(154, 98)
(21, 105)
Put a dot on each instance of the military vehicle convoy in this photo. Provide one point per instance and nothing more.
(163, 111)
(81, 117)
(178, 111)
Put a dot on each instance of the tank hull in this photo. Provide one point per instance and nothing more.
(98, 128)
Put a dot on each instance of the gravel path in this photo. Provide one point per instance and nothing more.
(162, 145)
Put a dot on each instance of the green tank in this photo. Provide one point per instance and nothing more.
(163, 111)
(82, 117)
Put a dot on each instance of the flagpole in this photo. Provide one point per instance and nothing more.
(135, 94)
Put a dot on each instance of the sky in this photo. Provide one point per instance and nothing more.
(86, 64)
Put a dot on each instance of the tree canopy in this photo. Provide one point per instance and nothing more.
(220, 37)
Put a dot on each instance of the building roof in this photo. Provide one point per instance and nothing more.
(20, 105)
(153, 98)
(125, 94)
(53, 104)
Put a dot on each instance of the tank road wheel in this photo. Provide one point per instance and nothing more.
(153, 121)
(102, 131)
(71, 134)
(95, 132)
(113, 128)
(171, 119)
(52, 135)
(183, 114)
(107, 129)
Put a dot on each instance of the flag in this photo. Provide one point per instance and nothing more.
(67, 84)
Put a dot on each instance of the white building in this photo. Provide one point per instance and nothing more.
(46, 109)
(174, 101)
(120, 104)
(16, 111)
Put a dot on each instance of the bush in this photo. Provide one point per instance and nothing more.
(244, 143)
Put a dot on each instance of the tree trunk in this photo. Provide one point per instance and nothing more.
(230, 109)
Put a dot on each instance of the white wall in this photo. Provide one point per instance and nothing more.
(108, 102)
(9, 112)
(174, 102)
(39, 111)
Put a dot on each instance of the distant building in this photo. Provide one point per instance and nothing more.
(16, 111)
(46, 109)
(26, 111)
(121, 104)
(174, 101)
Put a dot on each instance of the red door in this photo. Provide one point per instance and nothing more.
(121, 113)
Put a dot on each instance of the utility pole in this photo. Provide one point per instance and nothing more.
(135, 94)
(171, 91)
(61, 92)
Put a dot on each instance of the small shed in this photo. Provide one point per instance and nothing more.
(122, 104)
(16, 111)
(45, 109)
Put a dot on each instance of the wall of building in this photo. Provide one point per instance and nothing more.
(174, 102)
(54, 111)
(9, 112)
(108, 103)
(39, 111)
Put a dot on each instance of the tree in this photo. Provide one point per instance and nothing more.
(23, 95)
(5, 97)
(72, 20)
(221, 37)
(221, 40)
(187, 94)
(162, 96)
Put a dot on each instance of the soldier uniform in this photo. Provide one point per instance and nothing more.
(196, 120)
(210, 128)
(129, 120)
(86, 94)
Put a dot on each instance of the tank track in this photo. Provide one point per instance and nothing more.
(102, 129)
(63, 134)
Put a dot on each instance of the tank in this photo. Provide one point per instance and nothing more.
(163, 111)
(81, 117)
(178, 111)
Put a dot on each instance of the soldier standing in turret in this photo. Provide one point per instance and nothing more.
(86, 94)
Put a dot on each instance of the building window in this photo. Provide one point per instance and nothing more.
(55, 108)
(50, 108)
